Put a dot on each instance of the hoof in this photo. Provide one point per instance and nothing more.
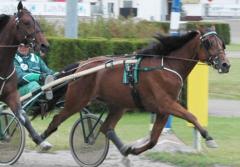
(125, 150)
(211, 144)
(45, 146)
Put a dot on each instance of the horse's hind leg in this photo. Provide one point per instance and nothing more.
(158, 126)
(108, 126)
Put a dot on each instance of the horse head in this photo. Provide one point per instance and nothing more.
(212, 50)
(29, 31)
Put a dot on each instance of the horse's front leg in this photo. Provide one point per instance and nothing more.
(174, 108)
(158, 126)
(12, 100)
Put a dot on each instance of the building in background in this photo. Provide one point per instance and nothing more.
(153, 10)
(212, 8)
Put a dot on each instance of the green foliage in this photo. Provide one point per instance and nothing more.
(127, 28)
(65, 51)
(223, 29)
(118, 28)
(50, 29)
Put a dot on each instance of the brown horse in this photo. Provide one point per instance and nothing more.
(16, 29)
(164, 66)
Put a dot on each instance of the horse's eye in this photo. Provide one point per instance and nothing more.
(27, 23)
(207, 44)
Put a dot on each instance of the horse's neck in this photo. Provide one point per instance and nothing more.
(7, 53)
(188, 51)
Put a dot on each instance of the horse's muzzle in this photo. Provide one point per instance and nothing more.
(44, 48)
(224, 67)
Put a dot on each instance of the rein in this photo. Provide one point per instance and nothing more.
(174, 58)
(9, 46)
(4, 79)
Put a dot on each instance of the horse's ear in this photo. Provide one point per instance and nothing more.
(20, 6)
(213, 28)
(201, 29)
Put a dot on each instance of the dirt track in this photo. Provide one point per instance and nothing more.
(65, 159)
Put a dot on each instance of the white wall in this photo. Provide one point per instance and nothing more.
(214, 8)
(149, 9)
(40, 8)
(193, 9)
(116, 8)
(221, 1)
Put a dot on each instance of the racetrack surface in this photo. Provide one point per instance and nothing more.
(65, 159)
(114, 158)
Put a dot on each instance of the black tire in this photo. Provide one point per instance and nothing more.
(12, 142)
(92, 153)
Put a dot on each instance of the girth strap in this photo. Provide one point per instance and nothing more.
(136, 98)
(131, 72)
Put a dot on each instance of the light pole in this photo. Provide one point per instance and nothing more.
(174, 31)
(175, 17)
(71, 19)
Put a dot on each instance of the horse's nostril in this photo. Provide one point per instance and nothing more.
(44, 48)
(225, 65)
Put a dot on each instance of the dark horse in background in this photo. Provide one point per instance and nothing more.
(16, 29)
(169, 60)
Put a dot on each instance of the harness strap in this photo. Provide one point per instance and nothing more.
(175, 72)
(162, 67)
(133, 72)
(136, 97)
(5, 79)
(132, 79)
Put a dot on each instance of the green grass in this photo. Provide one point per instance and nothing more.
(225, 86)
(225, 132)
(233, 47)
(136, 125)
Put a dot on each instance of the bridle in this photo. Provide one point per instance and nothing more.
(205, 43)
(29, 39)
(213, 60)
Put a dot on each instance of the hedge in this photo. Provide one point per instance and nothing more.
(223, 29)
(65, 51)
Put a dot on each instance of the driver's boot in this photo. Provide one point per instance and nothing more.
(48, 92)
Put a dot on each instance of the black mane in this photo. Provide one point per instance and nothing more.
(3, 21)
(166, 44)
